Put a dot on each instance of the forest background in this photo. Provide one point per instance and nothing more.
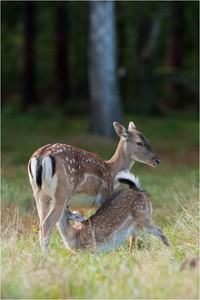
(46, 55)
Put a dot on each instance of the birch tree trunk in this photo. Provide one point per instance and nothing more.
(103, 86)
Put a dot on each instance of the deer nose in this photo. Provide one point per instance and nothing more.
(156, 159)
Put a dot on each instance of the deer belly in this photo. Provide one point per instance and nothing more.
(83, 201)
(116, 238)
(89, 193)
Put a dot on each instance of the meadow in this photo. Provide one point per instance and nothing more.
(151, 271)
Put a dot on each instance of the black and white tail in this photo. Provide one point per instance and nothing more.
(41, 167)
(128, 178)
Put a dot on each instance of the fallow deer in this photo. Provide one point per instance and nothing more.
(62, 175)
(118, 218)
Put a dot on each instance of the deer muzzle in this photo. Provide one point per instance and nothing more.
(154, 161)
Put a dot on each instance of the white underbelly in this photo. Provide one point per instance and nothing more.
(118, 237)
(84, 201)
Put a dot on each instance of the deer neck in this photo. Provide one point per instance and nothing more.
(119, 161)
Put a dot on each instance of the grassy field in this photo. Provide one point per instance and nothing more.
(152, 271)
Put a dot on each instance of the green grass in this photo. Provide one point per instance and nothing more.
(152, 271)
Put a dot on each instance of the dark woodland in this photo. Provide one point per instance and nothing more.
(101, 59)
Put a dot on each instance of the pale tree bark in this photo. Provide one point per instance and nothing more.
(103, 86)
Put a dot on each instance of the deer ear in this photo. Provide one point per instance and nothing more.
(131, 126)
(120, 129)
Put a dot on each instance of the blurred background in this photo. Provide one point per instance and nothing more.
(71, 68)
(100, 59)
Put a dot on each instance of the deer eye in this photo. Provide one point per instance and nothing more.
(139, 144)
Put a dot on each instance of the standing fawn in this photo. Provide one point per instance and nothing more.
(62, 175)
(120, 217)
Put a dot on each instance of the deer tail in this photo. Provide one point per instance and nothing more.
(128, 178)
(42, 168)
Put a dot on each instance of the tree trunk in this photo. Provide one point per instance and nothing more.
(29, 85)
(175, 51)
(146, 84)
(61, 82)
(103, 86)
(176, 39)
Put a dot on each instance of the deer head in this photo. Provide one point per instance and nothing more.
(136, 145)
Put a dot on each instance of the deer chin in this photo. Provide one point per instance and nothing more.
(152, 163)
(149, 162)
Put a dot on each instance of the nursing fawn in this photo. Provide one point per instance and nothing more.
(118, 218)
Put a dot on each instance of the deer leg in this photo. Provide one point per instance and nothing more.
(48, 223)
(60, 200)
(159, 234)
(42, 203)
(62, 227)
(133, 240)
(154, 230)
(65, 229)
